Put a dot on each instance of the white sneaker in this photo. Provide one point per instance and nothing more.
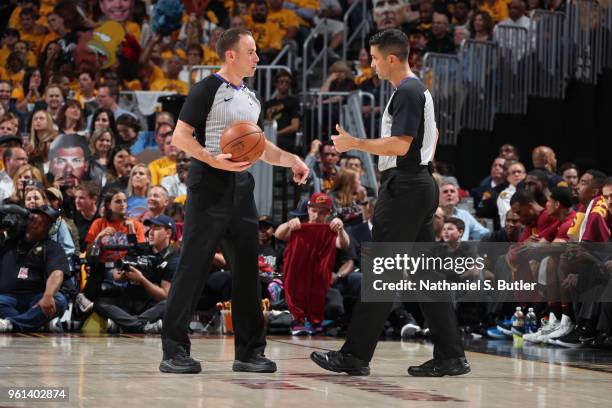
(564, 328)
(409, 330)
(544, 328)
(550, 327)
(6, 326)
(85, 305)
(153, 328)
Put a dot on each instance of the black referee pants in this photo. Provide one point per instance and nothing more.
(404, 213)
(220, 211)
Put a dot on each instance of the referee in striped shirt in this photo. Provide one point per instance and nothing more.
(407, 202)
(221, 210)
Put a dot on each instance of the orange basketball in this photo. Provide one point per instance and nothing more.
(244, 140)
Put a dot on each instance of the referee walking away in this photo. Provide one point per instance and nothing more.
(407, 201)
(220, 209)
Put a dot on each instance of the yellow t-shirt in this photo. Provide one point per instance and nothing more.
(181, 199)
(167, 84)
(498, 11)
(161, 168)
(311, 4)
(134, 29)
(210, 56)
(16, 78)
(284, 19)
(47, 39)
(157, 74)
(17, 94)
(267, 35)
(15, 23)
(3, 74)
(35, 41)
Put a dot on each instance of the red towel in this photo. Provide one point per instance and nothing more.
(308, 265)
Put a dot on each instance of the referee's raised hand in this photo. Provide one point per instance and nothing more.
(222, 161)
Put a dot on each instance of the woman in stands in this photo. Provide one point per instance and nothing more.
(100, 144)
(42, 133)
(119, 168)
(103, 118)
(347, 194)
(481, 26)
(137, 191)
(70, 118)
(24, 176)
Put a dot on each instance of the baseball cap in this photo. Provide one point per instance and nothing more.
(10, 138)
(321, 200)
(55, 193)
(267, 220)
(162, 220)
(47, 210)
(301, 211)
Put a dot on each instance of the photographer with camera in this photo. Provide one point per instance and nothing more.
(113, 229)
(148, 271)
(32, 269)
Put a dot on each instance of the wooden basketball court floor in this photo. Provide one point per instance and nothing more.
(122, 371)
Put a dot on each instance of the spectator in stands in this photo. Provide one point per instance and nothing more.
(496, 9)
(24, 176)
(141, 306)
(70, 118)
(170, 81)
(569, 174)
(424, 22)
(459, 35)
(536, 181)
(533, 5)
(42, 134)
(54, 98)
(114, 228)
(29, 284)
(137, 190)
(32, 88)
(35, 197)
(267, 35)
(211, 57)
(119, 169)
(7, 141)
(310, 306)
(5, 97)
(515, 174)
(128, 129)
(452, 231)
(544, 158)
(195, 56)
(509, 233)
(449, 198)
(287, 20)
(495, 178)
(461, 15)
(331, 12)
(107, 98)
(363, 68)
(86, 202)
(516, 15)
(9, 124)
(347, 195)
(509, 152)
(157, 202)
(102, 118)
(440, 40)
(285, 110)
(30, 31)
(86, 93)
(101, 143)
(55, 198)
(165, 165)
(323, 174)
(175, 184)
(481, 26)
(13, 158)
(68, 160)
(9, 38)
(15, 67)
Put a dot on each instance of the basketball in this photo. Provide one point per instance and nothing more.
(244, 140)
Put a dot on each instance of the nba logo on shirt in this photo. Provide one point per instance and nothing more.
(23, 273)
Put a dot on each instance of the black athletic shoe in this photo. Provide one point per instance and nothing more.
(340, 363)
(255, 364)
(574, 338)
(180, 364)
(603, 341)
(440, 368)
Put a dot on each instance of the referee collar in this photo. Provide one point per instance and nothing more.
(236, 87)
(406, 79)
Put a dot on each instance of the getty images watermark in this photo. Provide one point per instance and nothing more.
(486, 272)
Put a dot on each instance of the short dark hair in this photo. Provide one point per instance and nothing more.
(113, 91)
(27, 12)
(107, 198)
(67, 141)
(91, 188)
(540, 175)
(129, 121)
(456, 222)
(324, 145)
(523, 197)
(229, 39)
(598, 178)
(607, 182)
(563, 196)
(392, 41)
